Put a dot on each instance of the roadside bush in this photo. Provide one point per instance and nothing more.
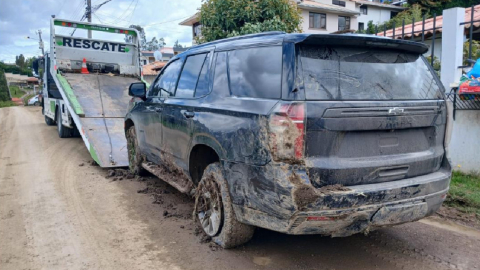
(3, 87)
(7, 103)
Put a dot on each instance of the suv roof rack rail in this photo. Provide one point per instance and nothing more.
(262, 34)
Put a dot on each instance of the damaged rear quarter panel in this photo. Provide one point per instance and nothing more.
(238, 135)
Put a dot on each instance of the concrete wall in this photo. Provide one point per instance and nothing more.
(464, 147)
(465, 143)
(332, 23)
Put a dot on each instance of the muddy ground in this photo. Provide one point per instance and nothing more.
(57, 211)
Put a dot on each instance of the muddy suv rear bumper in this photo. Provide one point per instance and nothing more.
(284, 200)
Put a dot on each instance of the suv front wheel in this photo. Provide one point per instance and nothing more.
(213, 209)
(134, 155)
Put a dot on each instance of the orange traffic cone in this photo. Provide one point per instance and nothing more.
(84, 67)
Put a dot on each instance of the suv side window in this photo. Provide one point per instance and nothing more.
(256, 72)
(202, 84)
(167, 80)
(189, 77)
(220, 81)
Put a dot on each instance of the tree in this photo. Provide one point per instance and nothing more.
(155, 44)
(414, 12)
(428, 5)
(142, 37)
(161, 42)
(228, 18)
(20, 61)
(177, 45)
(4, 96)
(454, 3)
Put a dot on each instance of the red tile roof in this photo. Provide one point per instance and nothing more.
(32, 79)
(153, 68)
(429, 25)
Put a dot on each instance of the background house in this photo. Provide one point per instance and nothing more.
(375, 11)
(150, 71)
(439, 25)
(328, 16)
(151, 67)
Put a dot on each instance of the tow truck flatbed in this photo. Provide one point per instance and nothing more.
(95, 103)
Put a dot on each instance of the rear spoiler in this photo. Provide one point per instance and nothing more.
(355, 40)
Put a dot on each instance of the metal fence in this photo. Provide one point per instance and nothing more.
(428, 30)
(420, 31)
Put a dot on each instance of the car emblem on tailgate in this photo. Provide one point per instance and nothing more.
(396, 111)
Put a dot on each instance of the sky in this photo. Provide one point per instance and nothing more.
(20, 19)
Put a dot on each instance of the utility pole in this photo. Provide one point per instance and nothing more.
(89, 16)
(40, 41)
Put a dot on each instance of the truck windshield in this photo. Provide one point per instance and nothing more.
(346, 73)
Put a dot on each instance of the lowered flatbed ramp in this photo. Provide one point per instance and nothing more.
(101, 103)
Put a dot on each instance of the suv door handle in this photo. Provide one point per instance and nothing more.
(188, 114)
(159, 109)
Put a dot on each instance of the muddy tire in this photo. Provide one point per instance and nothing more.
(135, 158)
(214, 211)
(49, 121)
(63, 131)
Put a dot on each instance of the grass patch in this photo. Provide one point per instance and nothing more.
(26, 98)
(464, 193)
(7, 103)
(16, 92)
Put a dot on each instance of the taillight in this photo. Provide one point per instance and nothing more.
(449, 124)
(287, 131)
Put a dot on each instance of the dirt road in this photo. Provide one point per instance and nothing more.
(59, 212)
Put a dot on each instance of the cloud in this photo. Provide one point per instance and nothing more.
(22, 18)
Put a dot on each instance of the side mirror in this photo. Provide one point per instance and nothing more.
(138, 89)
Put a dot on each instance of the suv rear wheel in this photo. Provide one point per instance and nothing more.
(134, 155)
(213, 209)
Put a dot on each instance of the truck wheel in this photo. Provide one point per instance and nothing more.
(135, 158)
(63, 132)
(36, 103)
(214, 211)
(49, 121)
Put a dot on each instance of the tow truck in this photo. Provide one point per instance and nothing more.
(85, 86)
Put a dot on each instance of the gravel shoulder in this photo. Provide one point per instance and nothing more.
(57, 211)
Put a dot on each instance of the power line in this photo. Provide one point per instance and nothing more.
(166, 21)
(125, 10)
(133, 11)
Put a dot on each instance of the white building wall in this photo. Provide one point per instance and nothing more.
(376, 14)
(332, 23)
(437, 51)
(348, 4)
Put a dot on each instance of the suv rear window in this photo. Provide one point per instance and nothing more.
(256, 72)
(345, 73)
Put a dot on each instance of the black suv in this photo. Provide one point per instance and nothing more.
(296, 133)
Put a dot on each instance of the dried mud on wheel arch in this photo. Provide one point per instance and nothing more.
(100, 94)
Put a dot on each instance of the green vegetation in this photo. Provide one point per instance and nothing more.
(475, 51)
(414, 12)
(3, 87)
(26, 98)
(16, 69)
(228, 18)
(7, 103)
(16, 92)
(464, 193)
